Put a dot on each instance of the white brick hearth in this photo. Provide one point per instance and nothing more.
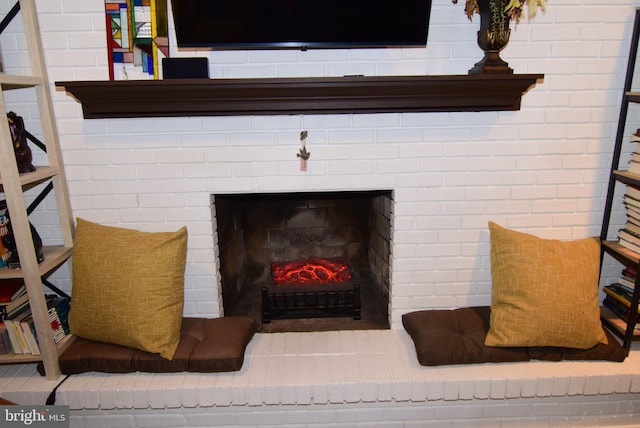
(349, 378)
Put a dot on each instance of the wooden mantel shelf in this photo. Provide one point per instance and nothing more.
(314, 95)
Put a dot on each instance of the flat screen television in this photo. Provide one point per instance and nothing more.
(300, 24)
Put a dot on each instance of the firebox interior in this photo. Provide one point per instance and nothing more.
(260, 230)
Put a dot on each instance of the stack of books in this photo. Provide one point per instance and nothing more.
(634, 162)
(629, 236)
(13, 295)
(18, 334)
(618, 295)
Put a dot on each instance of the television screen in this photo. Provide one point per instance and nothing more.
(300, 24)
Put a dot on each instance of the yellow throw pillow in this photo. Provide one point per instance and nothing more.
(545, 291)
(128, 286)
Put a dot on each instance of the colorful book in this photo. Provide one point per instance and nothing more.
(17, 338)
(623, 289)
(11, 290)
(618, 309)
(58, 318)
(628, 282)
(30, 338)
(615, 293)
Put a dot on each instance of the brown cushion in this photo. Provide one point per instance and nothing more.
(206, 346)
(456, 336)
(612, 351)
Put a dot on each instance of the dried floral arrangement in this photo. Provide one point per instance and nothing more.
(512, 8)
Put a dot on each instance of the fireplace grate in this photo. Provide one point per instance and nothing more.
(311, 304)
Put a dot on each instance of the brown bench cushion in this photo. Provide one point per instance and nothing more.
(456, 336)
(206, 346)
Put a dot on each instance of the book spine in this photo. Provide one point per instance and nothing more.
(619, 309)
(5, 345)
(19, 310)
(56, 326)
(617, 296)
(13, 340)
(30, 338)
(19, 344)
(60, 312)
(629, 245)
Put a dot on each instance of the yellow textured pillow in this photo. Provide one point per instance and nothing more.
(128, 286)
(545, 291)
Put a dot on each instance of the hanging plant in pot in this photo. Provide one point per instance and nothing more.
(493, 36)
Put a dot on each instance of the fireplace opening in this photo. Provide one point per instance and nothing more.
(306, 261)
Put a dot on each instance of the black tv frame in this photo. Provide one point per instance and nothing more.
(300, 24)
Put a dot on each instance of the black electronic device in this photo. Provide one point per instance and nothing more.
(185, 68)
(300, 24)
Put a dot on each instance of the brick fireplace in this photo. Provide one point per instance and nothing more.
(256, 230)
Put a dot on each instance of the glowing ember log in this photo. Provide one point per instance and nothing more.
(312, 270)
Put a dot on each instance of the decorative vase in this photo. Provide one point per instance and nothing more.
(493, 36)
(20, 146)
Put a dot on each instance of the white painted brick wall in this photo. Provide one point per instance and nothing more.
(542, 169)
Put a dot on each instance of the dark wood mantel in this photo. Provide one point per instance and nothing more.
(313, 95)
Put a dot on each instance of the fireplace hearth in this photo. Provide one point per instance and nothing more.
(305, 261)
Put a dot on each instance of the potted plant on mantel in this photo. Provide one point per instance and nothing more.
(493, 36)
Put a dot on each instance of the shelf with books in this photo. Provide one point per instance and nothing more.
(54, 256)
(624, 255)
(19, 337)
(13, 183)
(20, 359)
(30, 358)
(626, 247)
(627, 177)
(615, 323)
